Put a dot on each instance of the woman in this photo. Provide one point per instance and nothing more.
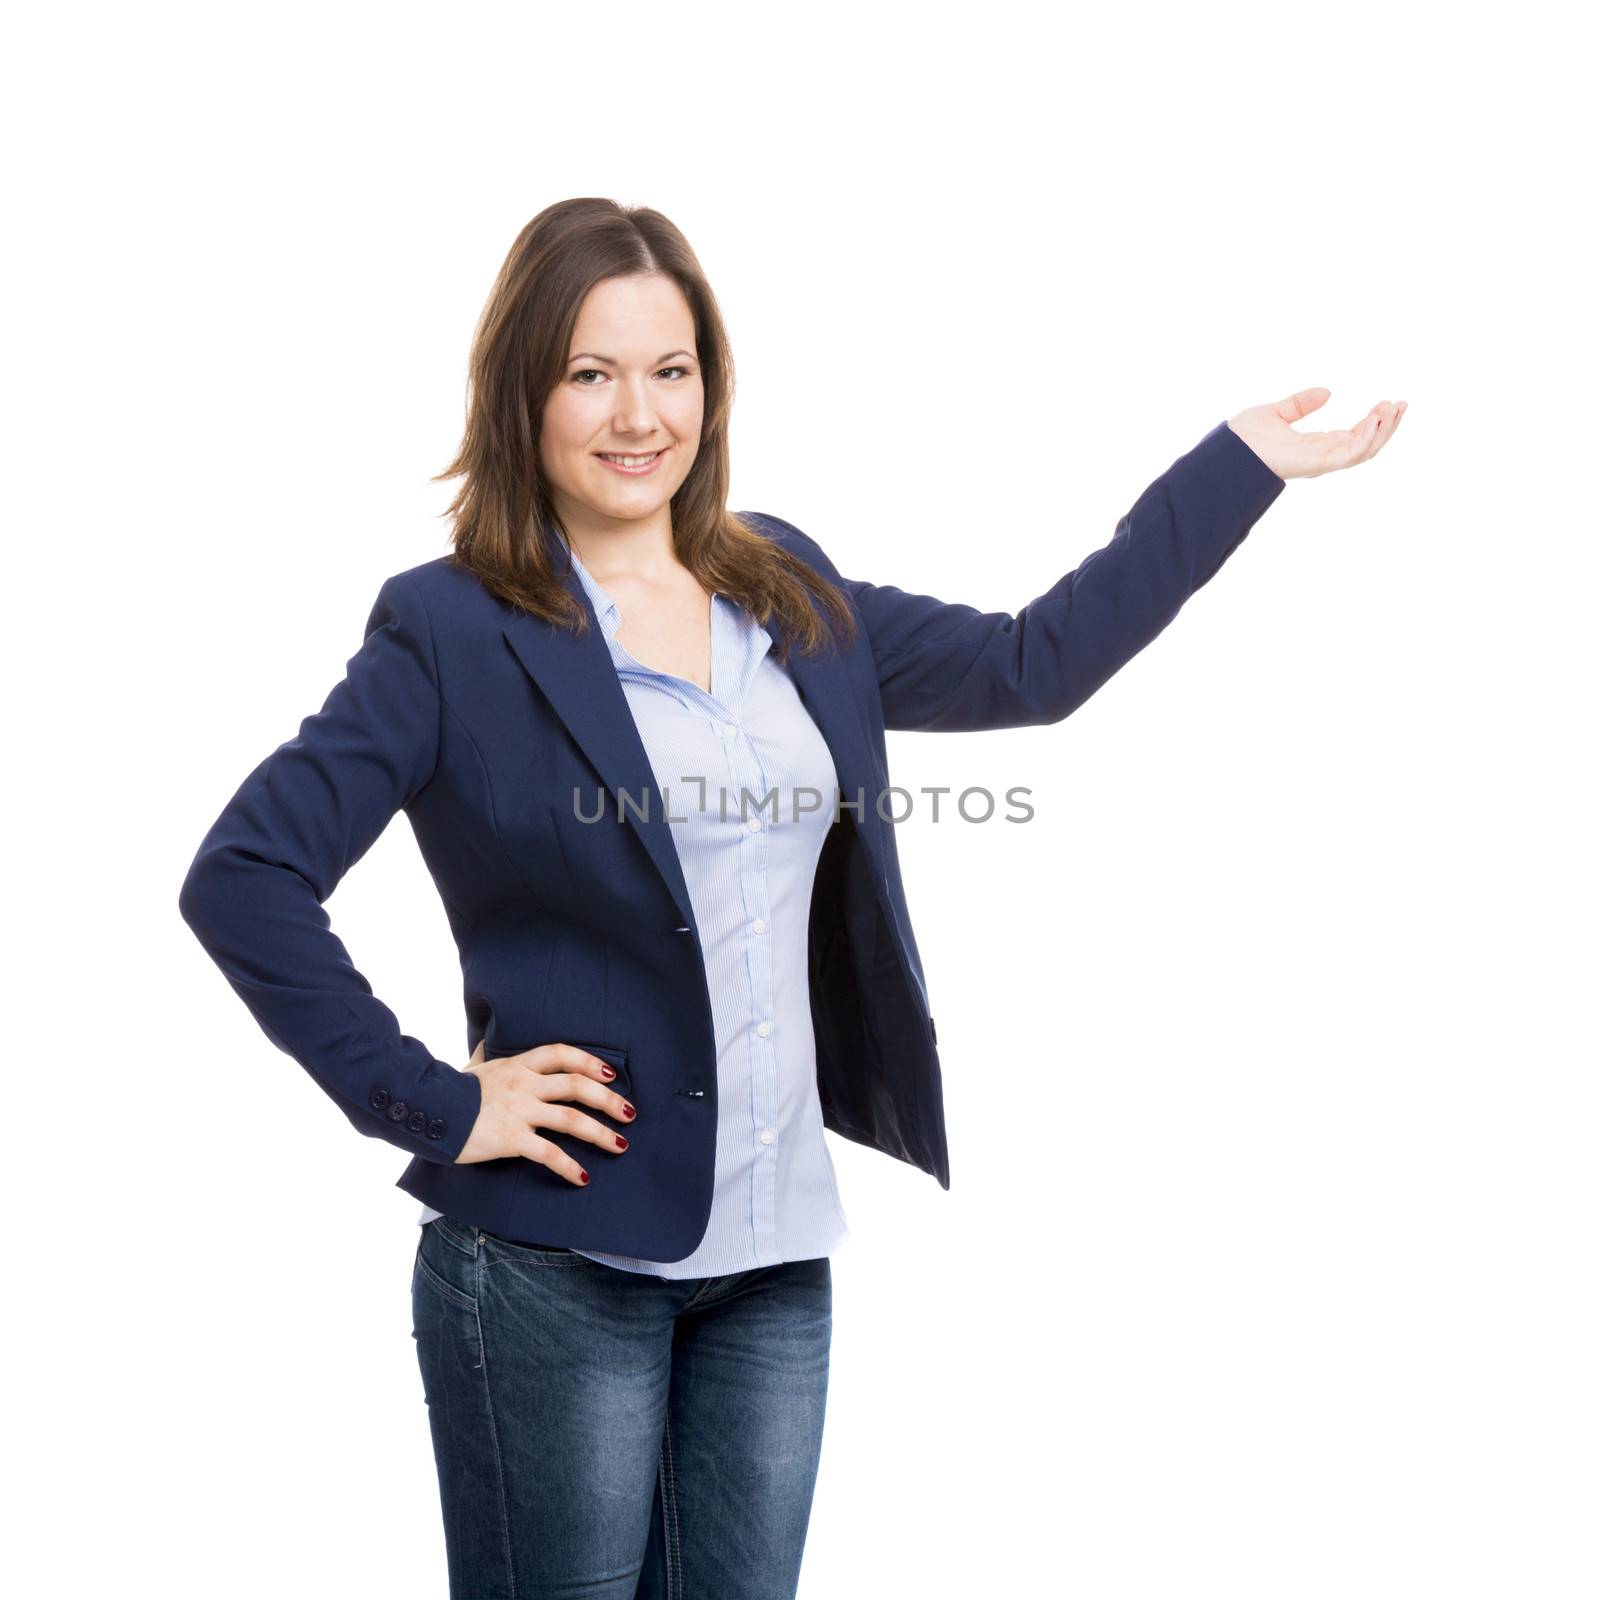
(641, 742)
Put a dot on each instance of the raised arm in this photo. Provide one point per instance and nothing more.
(253, 895)
(949, 668)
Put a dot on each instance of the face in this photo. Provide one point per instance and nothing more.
(632, 387)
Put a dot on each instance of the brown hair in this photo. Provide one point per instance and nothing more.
(519, 355)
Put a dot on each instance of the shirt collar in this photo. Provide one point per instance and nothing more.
(605, 608)
(728, 625)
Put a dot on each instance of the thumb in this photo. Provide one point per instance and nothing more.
(1302, 404)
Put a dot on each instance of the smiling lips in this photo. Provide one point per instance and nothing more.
(633, 466)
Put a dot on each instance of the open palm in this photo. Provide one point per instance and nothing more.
(1266, 429)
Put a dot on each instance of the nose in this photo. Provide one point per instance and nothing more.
(635, 413)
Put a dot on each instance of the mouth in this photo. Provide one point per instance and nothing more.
(632, 466)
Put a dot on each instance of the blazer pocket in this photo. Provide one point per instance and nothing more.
(613, 1057)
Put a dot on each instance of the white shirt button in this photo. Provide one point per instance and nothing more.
(759, 925)
(754, 824)
(729, 729)
(767, 1136)
(763, 1028)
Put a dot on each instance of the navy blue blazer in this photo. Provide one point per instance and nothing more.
(479, 721)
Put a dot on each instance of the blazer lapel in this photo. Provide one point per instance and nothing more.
(576, 675)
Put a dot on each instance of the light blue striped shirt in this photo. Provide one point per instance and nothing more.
(749, 868)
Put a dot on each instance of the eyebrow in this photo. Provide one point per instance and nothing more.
(589, 355)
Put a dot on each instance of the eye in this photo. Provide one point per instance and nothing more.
(587, 372)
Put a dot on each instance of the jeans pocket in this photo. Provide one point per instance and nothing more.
(498, 1248)
(444, 1267)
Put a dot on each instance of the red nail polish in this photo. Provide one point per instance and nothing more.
(628, 1111)
(585, 1175)
(607, 1074)
(622, 1144)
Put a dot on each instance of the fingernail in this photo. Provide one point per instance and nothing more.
(606, 1072)
(584, 1174)
(628, 1111)
(622, 1144)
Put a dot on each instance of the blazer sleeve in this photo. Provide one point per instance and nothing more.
(255, 891)
(948, 668)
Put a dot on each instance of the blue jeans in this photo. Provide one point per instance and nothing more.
(616, 1435)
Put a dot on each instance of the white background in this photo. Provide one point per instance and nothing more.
(1269, 1266)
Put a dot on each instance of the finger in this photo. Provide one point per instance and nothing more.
(1362, 437)
(1371, 429)
(1346, 447)
(1302, 404)
(554, 1157)
(568, 1119)
(1391, 422)
(553, 1086)
(1384, 426)
(569, 1058)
